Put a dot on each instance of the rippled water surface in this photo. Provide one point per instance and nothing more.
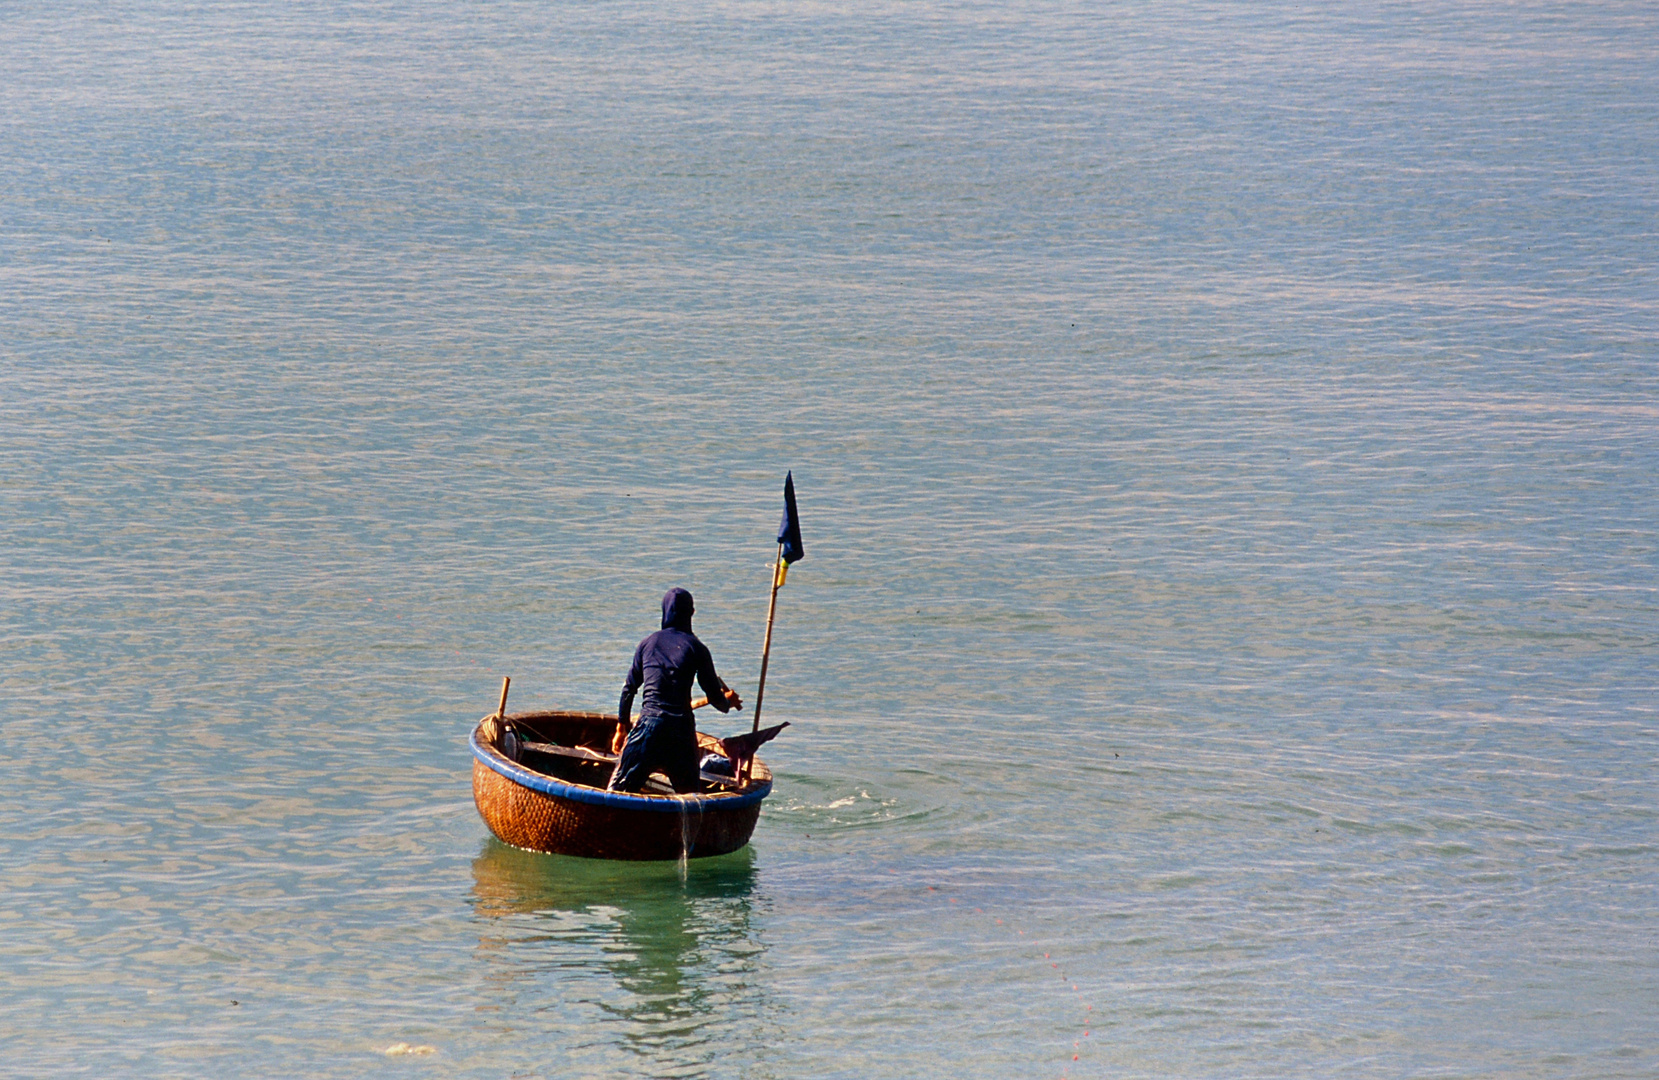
(1226, 444)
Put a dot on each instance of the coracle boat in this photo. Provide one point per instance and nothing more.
(539, 781)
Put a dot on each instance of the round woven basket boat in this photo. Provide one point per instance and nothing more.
(558, 803)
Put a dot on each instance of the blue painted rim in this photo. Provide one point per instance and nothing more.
(662, 804)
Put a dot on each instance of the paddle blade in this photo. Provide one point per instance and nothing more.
(742, 747)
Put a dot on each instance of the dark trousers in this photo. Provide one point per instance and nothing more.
(658, 744)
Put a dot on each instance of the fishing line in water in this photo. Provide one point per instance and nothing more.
(1087, 1007)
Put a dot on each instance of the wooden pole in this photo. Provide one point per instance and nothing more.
(778, 571)
(495, 727)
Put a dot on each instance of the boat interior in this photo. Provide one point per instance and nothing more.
(576, 747)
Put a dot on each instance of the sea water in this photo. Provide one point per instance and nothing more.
(1226, 445)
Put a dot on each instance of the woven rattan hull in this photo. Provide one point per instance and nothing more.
(542, 813)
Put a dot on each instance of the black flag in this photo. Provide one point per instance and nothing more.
(789, 529)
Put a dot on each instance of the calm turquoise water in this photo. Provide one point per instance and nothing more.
(1228, 451)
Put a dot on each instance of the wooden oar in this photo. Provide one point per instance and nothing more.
(620, 737)
(585, 753)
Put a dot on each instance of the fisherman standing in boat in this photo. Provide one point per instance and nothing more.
(665, 737)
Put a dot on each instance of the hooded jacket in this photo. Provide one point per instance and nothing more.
(664, 665)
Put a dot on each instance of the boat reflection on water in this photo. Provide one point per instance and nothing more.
(664, 950)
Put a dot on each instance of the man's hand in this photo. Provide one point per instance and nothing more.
(618, 739)
(732, 700)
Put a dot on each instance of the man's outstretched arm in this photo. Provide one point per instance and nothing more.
(720, 695)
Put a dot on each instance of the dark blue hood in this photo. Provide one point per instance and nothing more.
(676, 610)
